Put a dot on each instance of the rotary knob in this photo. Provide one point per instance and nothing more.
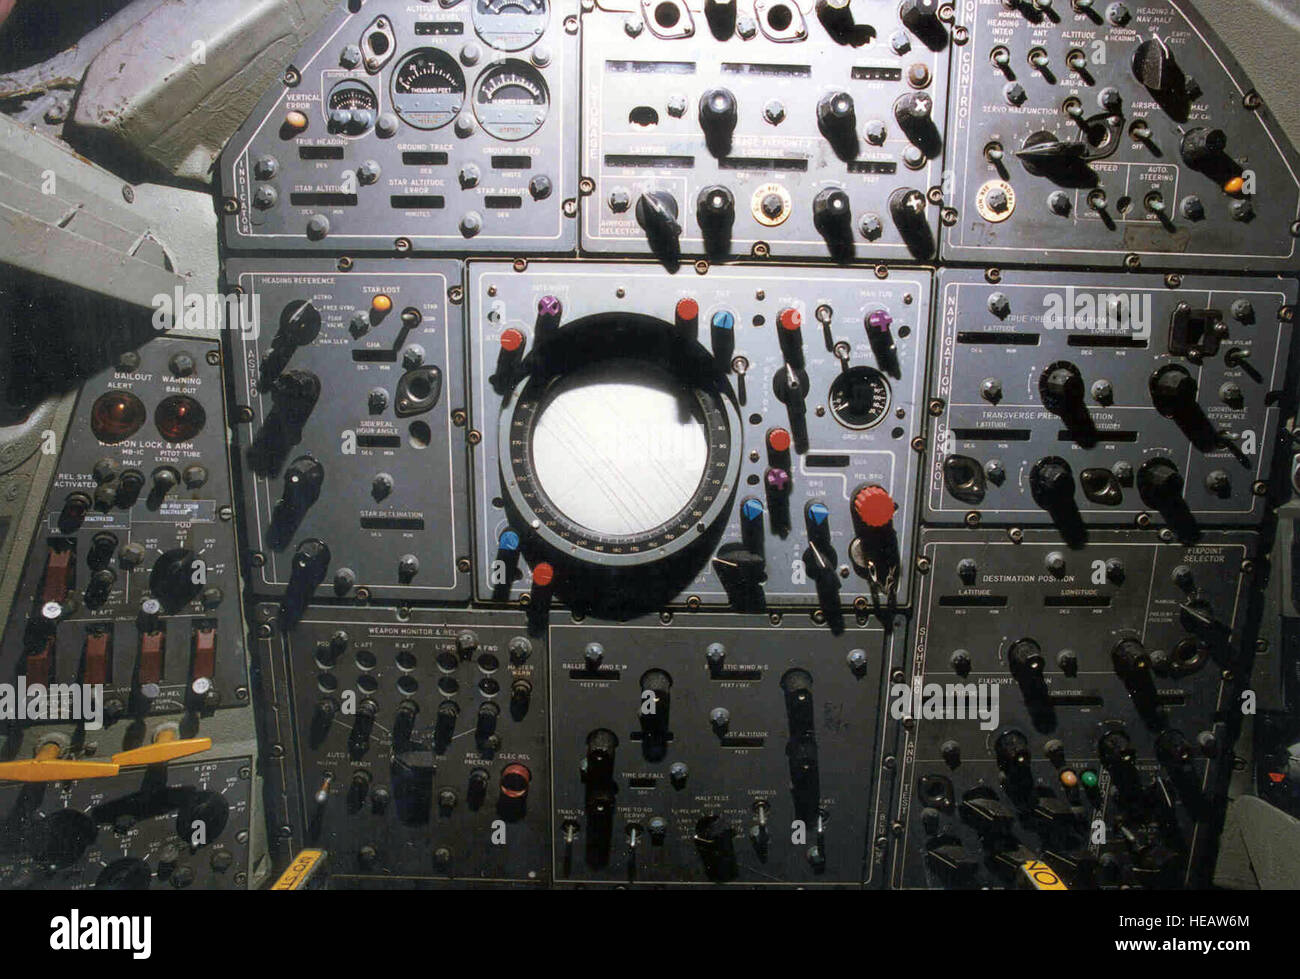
(176, 578)
(656, 212)
(836, 116)
(1061, 388)
(1052, 482)
(718, 112)
(1201, 146)
(874, 506)
(1160, 483)
(715, 209)
(1173, 390)
(832, 213)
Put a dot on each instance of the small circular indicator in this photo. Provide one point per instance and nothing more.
(116, 416)
(179, 418)
(860, 397)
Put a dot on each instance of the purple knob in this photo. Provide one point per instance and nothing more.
(778, 480)
(880, 321)
(548, 307)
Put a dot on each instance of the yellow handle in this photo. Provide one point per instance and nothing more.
(166, 746)
(47, 766)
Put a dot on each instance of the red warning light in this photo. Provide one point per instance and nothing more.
(179, 418)
(116, 416)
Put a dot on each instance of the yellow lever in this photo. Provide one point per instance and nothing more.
(304, 874)
(47, 766)
(1038, 876)
(166, 746)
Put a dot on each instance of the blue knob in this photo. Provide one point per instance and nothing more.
(508, 541)
(723, 320)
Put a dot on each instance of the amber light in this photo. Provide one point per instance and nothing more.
(179, 418)
(116, 416)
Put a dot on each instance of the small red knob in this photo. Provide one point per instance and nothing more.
(543, 574)
(688, 310)
(778, 440)
(512, 341)
(790, 320)
(874, 506)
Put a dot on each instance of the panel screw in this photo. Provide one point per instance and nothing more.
(230, 205)
(292, 77)
(456, 294)
(993, 275)
(345, 264)
(936, 407)
(586, 186)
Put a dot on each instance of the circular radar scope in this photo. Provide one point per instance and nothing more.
(511, 100)
(510, 25)
(428, 88)
(620, 457)
(860, 397)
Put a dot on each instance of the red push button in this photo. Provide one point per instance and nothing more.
(778, 440)
(790, 320)
(688, 310)
(874, 506)
(543, 575)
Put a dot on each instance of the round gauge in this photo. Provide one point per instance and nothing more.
(351, 107)
(860, 397)
(510, 25)
(428, 88)
(624, 459)
(511, 100)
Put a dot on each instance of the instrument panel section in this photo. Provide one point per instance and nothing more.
(349, 393)
(1067, 705)
(1091, 400)
(726, 440)
(182, 827)
(131, 585)
(720, 750)
(412, 745)
(1113, 134)
(764, 128)
(415, 127)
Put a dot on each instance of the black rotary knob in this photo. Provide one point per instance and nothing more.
(1200, 146)
(1052, 482)
(1130, 658)
(1025, 657)
(921, 16)
(1116, 749)
(656, 212)
(302, 483)
(914, 112)
(907, 208)
(715, 209)
(1061, 387)
(176, 578)
(832, 212)
(295, 393)
(718, 111)
(1159, 483)
(836, 116)
(601, 745)
(1173, 390)
(310, 562)
(1012, 751)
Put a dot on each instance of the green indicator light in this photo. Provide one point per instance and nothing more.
(1089, 780)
